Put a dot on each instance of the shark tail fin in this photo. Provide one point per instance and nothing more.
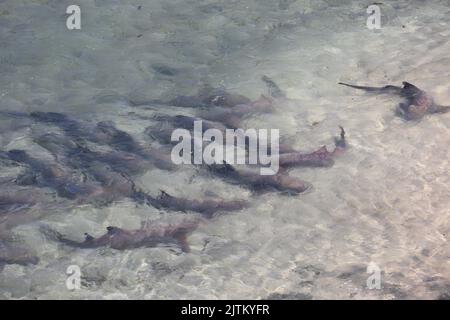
(341, 141)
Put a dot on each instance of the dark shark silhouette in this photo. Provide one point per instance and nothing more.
(207, 208)
(117, 184)
(104, 133)
(205, 98)
(43, 174)
(167, 124)
(10, 253)
(16, 205)
(78, 155)
(221, 106)
(149, 235)
(417, 103)
(274, 89)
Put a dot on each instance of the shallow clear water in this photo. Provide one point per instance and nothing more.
(384, 201)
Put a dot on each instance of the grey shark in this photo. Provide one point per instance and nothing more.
(149, 235)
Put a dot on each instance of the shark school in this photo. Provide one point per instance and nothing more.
(252, 146)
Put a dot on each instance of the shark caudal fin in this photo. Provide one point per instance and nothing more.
(385, 89)
(407, 85)
(442, 109)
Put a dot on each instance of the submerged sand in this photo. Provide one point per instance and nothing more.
(385, 201)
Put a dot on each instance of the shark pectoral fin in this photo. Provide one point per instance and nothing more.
(342, 132)
(341, 142)
(181, 238)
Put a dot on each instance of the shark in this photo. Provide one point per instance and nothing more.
(149, 235)
(416, 102)
(103, 133)
(67, 183)
(207, 208)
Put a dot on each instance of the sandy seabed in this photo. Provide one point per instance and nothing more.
(386, 201)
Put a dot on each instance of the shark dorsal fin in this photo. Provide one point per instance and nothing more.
(407, 85)
(165, 195)
(322, 149)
